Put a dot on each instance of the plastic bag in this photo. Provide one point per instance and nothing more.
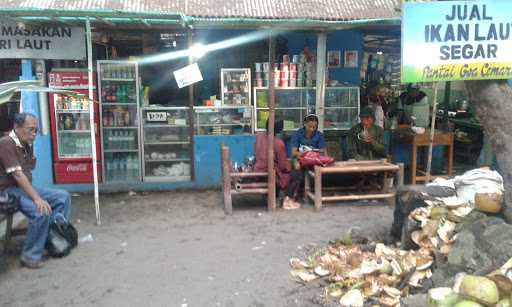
(62, 237)
(312, 158)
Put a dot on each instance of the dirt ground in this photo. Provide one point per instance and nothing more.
(179, 249)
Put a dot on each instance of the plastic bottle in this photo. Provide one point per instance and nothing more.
(115, 168)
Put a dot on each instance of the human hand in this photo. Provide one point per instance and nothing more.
(369, 139)
(43, 207)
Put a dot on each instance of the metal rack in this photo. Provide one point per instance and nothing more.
(166, 144)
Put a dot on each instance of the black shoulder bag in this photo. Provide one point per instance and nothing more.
(62, 237)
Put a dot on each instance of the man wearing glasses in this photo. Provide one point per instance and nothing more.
(39, 205)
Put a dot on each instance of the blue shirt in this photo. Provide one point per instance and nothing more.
(316, 141)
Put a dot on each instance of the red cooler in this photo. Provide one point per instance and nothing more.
(71, 134)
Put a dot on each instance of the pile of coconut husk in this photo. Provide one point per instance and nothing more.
(356, 273)
(374, 272)
(495, 289)
(437, 223)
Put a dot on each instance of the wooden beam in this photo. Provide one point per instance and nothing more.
(241, 175)
(358, 197)
(271, 198)
(250, 191)
(226, 180)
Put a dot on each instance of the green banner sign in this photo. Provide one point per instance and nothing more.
(456, 40)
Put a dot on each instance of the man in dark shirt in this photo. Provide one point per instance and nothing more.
(366, 140)
(39, 205)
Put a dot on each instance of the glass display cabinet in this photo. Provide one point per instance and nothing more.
(119, 109)
(166, 144)
(224, 120)
(292, 104)
(236, 86)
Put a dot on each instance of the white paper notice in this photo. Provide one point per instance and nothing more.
(188, 75)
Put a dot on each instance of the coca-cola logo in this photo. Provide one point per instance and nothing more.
(76, 168)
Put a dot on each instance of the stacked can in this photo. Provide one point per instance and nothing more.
(258, 76)
(310, 74)
(284, 74)
(293, 75)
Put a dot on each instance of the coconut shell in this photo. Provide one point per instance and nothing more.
(488, 202)
(352, 298)
(441, 297)
(480, 289)
(504, 303)
(467, 304)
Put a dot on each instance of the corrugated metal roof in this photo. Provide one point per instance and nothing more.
(296, 9)
(329, 10)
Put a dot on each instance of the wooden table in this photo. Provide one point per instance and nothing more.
(423, 140)
(351, 167)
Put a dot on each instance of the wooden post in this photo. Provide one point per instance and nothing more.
(450, 157)
(414, 160)
(432, 133)
(307, 186)
(191, 114)
(320, 78)
(8, 232)
(318, 188)
(271, 199)
(400, 175)
(226, 179)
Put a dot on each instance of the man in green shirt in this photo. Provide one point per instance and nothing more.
(366, 140)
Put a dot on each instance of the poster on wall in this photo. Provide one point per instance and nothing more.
(188, 75)
(40, 41)
(350, 58)
(459, 40)
(334, 58)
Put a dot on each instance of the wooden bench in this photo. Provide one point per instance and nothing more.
(350, 193)
(232, 181)
(9, 231)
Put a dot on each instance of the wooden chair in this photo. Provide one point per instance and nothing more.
(232, 181)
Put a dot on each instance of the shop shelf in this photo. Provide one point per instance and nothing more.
(167, 160)
(167, 143)
(212, 125)
(118, 79)
(74, 131)
(166, 178)
(164, 126)
(67, 111)
(123, 127)
(106, 104)
(121, 150)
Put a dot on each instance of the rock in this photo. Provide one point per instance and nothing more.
(483, 245)
(417, 300)
(507, 214)
(444, 275)
(466, 253)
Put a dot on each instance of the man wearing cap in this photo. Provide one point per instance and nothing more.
(366, 140)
